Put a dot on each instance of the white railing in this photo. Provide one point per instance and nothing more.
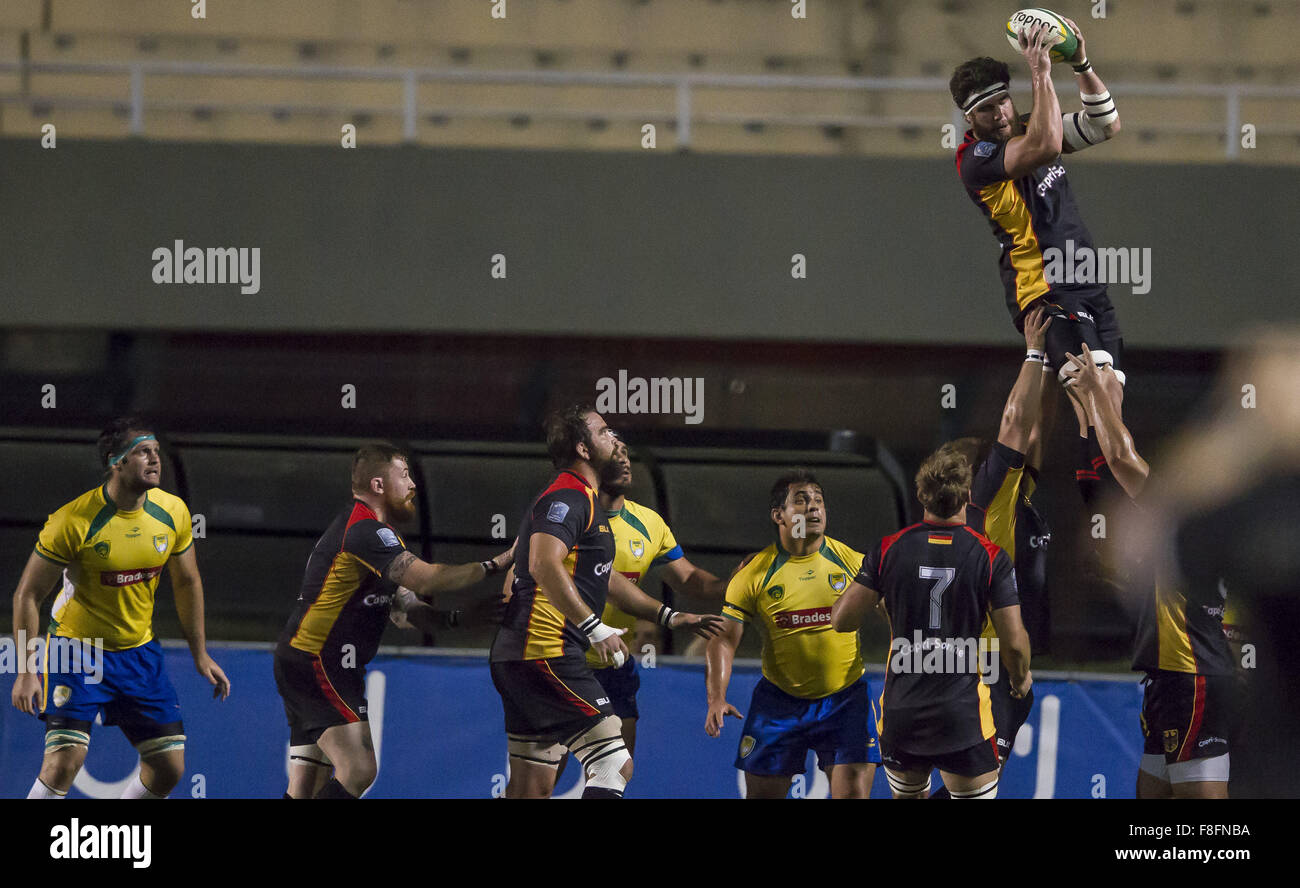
(683, 84)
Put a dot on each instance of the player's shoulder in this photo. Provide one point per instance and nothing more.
(760, 565)
(848, 557)
(651, 521)
(974, 537)
(91, 507)
(170, 503)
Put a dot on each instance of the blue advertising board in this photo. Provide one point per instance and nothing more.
(438, 731)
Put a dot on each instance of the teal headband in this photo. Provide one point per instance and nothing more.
(114, 460)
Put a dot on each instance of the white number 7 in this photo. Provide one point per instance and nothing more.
(943, 577)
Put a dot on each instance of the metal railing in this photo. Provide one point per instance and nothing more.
(683, 114)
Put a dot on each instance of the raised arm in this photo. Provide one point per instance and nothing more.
(1114, 438)
(1024, 404)
(1041, 142)
(1098, 120)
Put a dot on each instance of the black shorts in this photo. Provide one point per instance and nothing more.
(316, 697)
(549, 698)
(1076, 319)
(620, 686)
(1186, 716)
(969, 762)
(1009, 712)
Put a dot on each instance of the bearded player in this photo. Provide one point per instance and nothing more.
(109, 547)
(1011, 168)
(564, 562)
(353, 577)
(813, 693)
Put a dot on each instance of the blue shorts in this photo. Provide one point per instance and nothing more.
(780, 729)
(134, 692)
(621, 685)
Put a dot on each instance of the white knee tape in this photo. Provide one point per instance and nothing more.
(987, 791)
(602, 753)
(1208, 770)
(902, 789)
(539, 751)
(310, 754)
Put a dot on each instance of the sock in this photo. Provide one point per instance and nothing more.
(334, 790)
(137, 790)
(941, 793)
(1089, 459)
(601, 792)
(287, 796)
(40, 791)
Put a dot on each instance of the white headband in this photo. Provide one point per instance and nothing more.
(981, 95)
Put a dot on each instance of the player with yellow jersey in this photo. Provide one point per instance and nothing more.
(813, 693)
(642, 542)
(109, 547)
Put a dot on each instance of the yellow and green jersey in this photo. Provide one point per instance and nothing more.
(641, 541)
(789, 598)
(112, 560)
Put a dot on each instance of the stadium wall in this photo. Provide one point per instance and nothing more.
(650, 243)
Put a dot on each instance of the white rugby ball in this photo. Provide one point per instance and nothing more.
(1066, 44)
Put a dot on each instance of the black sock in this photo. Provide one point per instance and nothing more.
(1089, 461)
(286, 795)
(941, 793)
(334, 790)
(600, 792)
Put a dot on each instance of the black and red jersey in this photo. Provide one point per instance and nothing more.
(938, 581)
(1029, 216)
(533, 628)
(345, 598)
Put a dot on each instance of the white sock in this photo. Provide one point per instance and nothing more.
(40, 791)
(137, 790)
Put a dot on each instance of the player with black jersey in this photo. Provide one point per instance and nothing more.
(1011, 168)
(563, 565)
(999, 498)
(1191, 705)
(352, 578)
(938, 580)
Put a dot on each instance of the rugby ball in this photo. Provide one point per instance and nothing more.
(1025, 19)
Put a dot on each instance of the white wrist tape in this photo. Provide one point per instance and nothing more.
(596, 630)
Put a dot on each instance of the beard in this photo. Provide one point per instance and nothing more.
(615, 477)
(402, 510)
